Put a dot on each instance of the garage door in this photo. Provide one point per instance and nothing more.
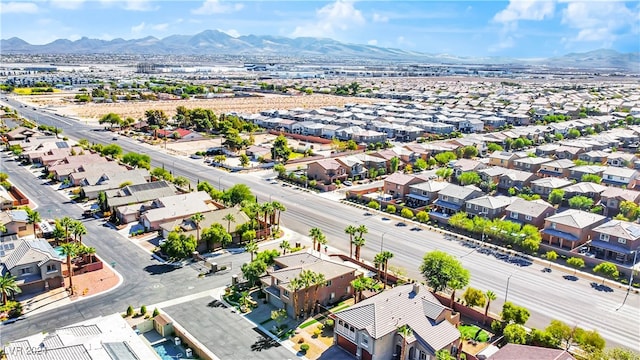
(347, 345)
(366, 355)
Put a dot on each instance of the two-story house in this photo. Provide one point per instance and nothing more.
(532, 212)
(461, 166)
(611, 198)
(594, 156)
(327, 171)
(515, 179)
(621, 159)
(577, 172)
(491, 207)
(619, 176)
(451, 200)
(502, 158)
(281, 293)
(545, 186)
(16, 222)
(492, 174)
(370, 330)
(530, 164)
(557, 168)
(568, 152)
(397, 184)
(35, 264)
(616, 240)
(355, 167)
(571, 228)
(424, 193)
(588, 189)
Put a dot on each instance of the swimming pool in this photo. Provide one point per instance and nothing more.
(169, 351)
(58, 249)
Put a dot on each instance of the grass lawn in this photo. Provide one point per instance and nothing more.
(470, 331)
(30, 91)
(295, 155)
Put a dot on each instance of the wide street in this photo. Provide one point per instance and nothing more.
(547, 295)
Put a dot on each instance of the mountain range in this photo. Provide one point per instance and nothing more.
(213, 42)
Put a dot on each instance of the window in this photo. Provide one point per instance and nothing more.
(328, 283)
(468, 206)
(475, 207)
(364, 341)
(445, 198)
(528, 217)
(604, 237)
(22, 228)
(348, 289)
(333, 295)
(51, 268)
(25, 271)
(514, 215)
(622, 241)
(553, 225)
(423, 355)
(285, 293)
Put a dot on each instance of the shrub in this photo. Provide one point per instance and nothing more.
(329, 323)
(156, 312)
(304, 347)
(391, 209)
(317, 332)
(374, 205)
(130, 311)
(143, 310)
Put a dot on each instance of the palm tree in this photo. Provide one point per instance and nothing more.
(359, 242)
(267, 211)
(362, 229)
(33, 217)
(229, 218)
(78, 229)
(284, 245)
(279, 209)
(251, 248)
(386, 256)
(70, 250)
(359, 286)
(405, 331)
(490, 295)
(351, 230)
(197, 218)
(315, 233)
(454, 284)
(295, 285)
(378, 261)
(66, 222)
(317, 280)
(8, 287)
(322, 240)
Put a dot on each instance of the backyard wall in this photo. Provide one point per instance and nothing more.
(198, 349)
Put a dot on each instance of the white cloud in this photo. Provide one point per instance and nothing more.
(231, 32)
(372, 42)
(600, 22)
(210, 7)
(67, 4)
(18, 8)
(526, 10)
(340, 15)
(139, 5)
(138, 28)
(379, 18)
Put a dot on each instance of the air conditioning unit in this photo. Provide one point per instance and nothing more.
(189, 353)
(176, 340)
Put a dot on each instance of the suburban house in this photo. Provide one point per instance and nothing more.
(169, 208)
(546, 150)
(461, 166)
(570, 228)
(398, 184)
(557, 168)
(544, 186)
(577, 172)
(370, 330)
(110, 180)
(326, 171)
(257, 152)
(503, 158)
(492, 174)
(6, 200)
(277, 282)
(35, 264)
(16, 222)
(487, 206)
(530, 164)
(187, 226)
(532, 212)
(594, 157)
(588, 189)
(621, 159)
(355, 167)
(21, 133)
(515, 179)
(138, 193)
(611, 198)
(451, 200)
(619, 176)
(568, 152)
(424, 193)
(526, 352)
(616, 240)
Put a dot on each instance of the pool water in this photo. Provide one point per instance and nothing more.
(58, 249)
(168, 351)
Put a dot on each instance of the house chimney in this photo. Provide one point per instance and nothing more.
(416, 288)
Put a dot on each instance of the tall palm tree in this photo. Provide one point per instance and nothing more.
(454, 284)
(322, 240)
(362, 229)
(33, 217)
(378, 261)
(317, 281)
(8, 287)
(315, 233)
(251, 248)
(279, 209)
(267, 211)
(284, 245)
(359, 242)
(490, 295)
(405, 331)
(70, 250)
(78, 229)
(229, 218)
(66, 222)
(358, 286)
(350, 230)
(197, 218)
(295, 285)
(386, 256)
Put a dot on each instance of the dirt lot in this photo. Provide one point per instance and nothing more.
(61, 103)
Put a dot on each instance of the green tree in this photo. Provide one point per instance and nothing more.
(422, 216)
(280, 149)
(444, 158)
(237, 194)
(156, 118)
(33, 217)
(394, 164)
(469, 178)
(443, 354)
(284, 245)
(244, 160)
(405, 331)
(573, 134)
(630, 210)
(70, 251)
(8, 287)
(361, 284)
(607, 269)
(351, 231)
(562, 333)
(197, 219)
(78, 230)
(406, 213)
(385, 257)
(444, 173)
(110, 118)
(474, 297)
(315, 234)
(251, 248)
(513, 314)
(179, 246)
(216, 234)
(253, 270)
(358, 242)
(440, 268)
(494, 147)
(556, 196)
(391, 209)
(589, 341)
(229, 218)
(469, 152)
(491, 296)
(515, 334)
(420, 164)
(580, 202)
(576, 263)
(592, 178)
(551, 256)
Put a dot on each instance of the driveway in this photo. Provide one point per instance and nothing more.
(226, 334)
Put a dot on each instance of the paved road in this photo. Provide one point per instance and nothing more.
(547, 296)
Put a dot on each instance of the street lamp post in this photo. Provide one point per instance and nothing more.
(506, 293)
(633, 264)
(382, 241)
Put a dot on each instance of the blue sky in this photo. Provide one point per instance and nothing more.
(516, 28)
